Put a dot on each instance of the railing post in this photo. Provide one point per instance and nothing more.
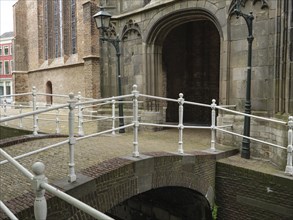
(40, 204)
(72, 141)
(213, 126)
(57, 122)
(113, 116)
(80, 116)
(180, 124)
(289, 167)
(135, 121)
(35, 120)
(20, 119)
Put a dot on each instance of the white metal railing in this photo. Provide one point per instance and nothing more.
(7, 211)
(36, 118)
(39, 183)
(75, 103)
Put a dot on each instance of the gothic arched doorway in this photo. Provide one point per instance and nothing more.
(49, 92)
(191, 60)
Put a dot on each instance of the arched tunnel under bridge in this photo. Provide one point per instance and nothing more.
(165, 203)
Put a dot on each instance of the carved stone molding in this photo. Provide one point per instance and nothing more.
(130, 28)
(264, 4)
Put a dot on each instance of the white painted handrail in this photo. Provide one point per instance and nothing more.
(7, 211)
(75, 202)
(39, 182)
(252, 116)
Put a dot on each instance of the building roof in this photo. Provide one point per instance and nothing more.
(7, 34)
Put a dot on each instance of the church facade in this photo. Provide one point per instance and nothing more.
(197, 47)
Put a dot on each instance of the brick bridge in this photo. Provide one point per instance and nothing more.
(244, 189)
(245, 186)
(111, 182)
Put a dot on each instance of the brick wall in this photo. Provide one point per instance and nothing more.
(248, 194)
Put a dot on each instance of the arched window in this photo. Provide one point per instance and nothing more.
(59, 28)
(49, 91)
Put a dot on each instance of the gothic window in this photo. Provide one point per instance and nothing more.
(73, 26)
(59, 34)
(46, 39)
(58, 28)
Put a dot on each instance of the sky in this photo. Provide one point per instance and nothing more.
(6, 15)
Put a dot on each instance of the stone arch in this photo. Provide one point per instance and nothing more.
(49, 92)
(130, 27)
(157, 33)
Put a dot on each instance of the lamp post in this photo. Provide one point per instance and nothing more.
(102, 20)
(245, 153)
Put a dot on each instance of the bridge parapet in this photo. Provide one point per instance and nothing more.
(111, 182)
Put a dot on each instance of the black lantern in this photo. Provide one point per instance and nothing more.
(102, 19)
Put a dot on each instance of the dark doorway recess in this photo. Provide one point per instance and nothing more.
(191, 59)
(49, 91)
(164, 203)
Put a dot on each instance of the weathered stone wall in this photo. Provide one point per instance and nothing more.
(248, 194)
(265, 131)
(262, 83)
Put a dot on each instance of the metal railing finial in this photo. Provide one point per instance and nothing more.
(40, 204)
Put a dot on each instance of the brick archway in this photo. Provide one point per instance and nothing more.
(165, 203)
(119, 179)
(105, 185)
